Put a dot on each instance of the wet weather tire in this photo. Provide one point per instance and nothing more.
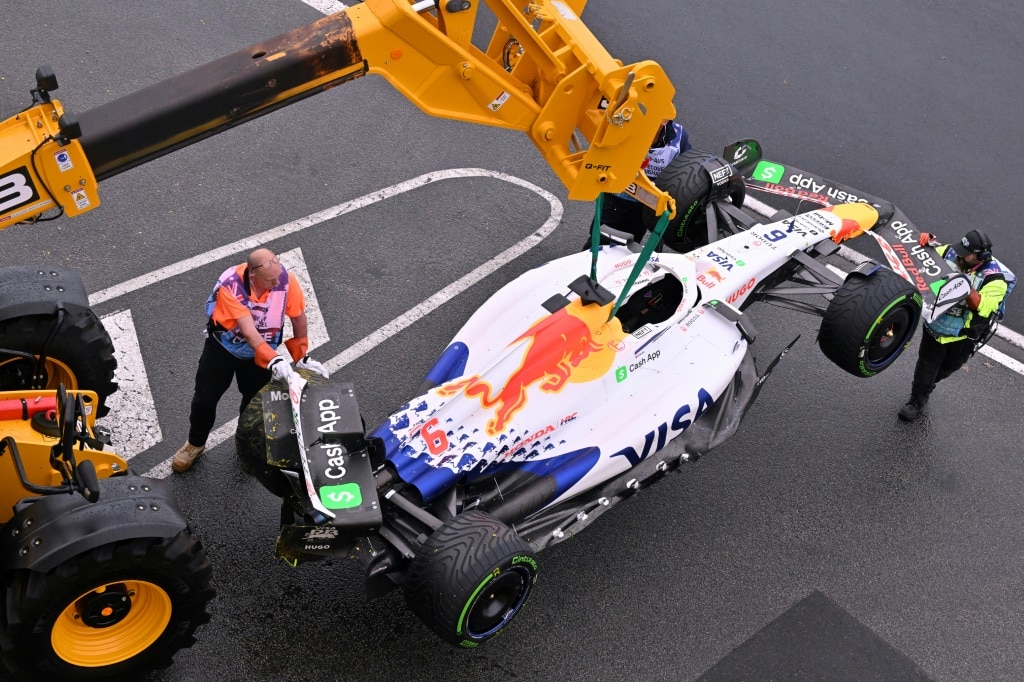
(470, 578)
(688, 183)
(80, 354)
(113, 612)
(869, 322)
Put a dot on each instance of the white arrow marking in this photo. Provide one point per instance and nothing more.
(133, 396)
(317, 330)
(326, 6)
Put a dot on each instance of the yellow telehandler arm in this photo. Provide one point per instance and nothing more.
(542, 72)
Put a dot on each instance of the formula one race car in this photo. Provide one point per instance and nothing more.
(567, 392)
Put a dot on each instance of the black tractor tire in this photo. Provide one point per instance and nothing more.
(869, 322)
(251, 442)
(470, 578)
(111, 613)
(688, 183)
(80, 355)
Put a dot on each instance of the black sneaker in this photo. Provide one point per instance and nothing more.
(912, 410)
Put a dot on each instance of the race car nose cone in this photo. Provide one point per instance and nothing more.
(857, 219)
(864, 214)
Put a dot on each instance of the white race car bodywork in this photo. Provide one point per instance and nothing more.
(575, 397)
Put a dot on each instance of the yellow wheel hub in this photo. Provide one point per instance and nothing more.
(56, 373)
(111, 624)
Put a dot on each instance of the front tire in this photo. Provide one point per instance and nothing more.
(470, 579)
(686, 181)
(869, 322)
(114, 612)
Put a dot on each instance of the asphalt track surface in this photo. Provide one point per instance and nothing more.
(827, 540)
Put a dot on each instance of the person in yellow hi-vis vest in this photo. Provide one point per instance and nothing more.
(949, 341)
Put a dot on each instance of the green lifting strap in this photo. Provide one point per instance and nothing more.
(595, 236)
(645, 255)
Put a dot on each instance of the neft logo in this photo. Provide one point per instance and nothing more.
(16, 189)
(720, 176)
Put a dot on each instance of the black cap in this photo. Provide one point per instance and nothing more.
(973, 242)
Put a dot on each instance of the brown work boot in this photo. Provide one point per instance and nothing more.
(186, 456)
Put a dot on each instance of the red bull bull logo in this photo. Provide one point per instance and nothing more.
(558, 346)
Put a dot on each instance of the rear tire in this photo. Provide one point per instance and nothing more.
(80, 355)
(869, 322)
(114, 612)
(470, 579)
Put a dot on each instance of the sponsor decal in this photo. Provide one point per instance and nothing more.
(794, 192)
(344, 496)
(720, 176)
(642, 331)
(710, 278)
(616, 345)
(521, 447)
(320, 537)
(726, 260)
(621, 374)
(335, 453)
(743, 291)
(666, 431)
(691, 318)
(839, 196)
(568, 418)
(952, 289)
(320, 533)
(556, 347)
(650, 357)
(766, 171)
(908, 266)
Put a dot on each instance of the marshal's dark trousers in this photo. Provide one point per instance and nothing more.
(935, 362)
(217, 367)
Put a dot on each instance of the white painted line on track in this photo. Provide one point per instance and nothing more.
(371, 341)
(1003, 358)
(133, 395)
(326, 6)
(258, 240)
(316, 330)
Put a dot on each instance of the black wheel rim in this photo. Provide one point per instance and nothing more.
(497, 602)
(889, 336)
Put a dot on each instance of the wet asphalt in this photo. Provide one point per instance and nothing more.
(900, 542)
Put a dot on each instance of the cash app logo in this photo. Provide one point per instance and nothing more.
(621, 374)
(344, 496)
(766, 171)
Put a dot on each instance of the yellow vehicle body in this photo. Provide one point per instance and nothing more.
(35, 447)
(542, 72)
(38, 173)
